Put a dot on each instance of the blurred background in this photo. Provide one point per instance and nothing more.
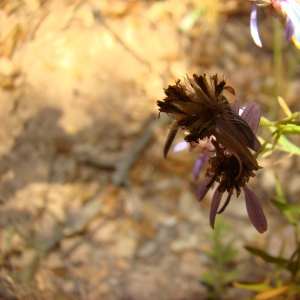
(89, 207)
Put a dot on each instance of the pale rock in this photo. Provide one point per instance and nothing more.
(153, 212)
(189, 206)
(105, 233)
(165, 235)
(6, 67)
(170, 221)
(237, 206)
(104, 288)
(181, 245)
(190, 264)
(147, 249)
(123, 264)
(245, 59)
(126, 246)
(82, 253)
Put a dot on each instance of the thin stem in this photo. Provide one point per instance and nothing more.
(277, 65)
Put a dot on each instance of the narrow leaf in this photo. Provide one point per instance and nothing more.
(281, 198)
(285, 206)
(266, 257)
(257, 287)
(284, 106)
(272, 293)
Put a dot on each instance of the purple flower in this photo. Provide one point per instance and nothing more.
(201, 160)
(225, 170)
(204, 148)
(286, 11)
(203, 112)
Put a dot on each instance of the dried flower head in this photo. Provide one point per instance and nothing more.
(226, 171)
(200, 108)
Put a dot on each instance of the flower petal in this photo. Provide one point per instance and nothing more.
(199, 163)
(225, 204)
(289, 29)
(203, 188)
(238, 148)
(251, 115)
(214, 206)
(236, 107)
(255, 211)
(253, 26)
(170, 138)
(238, 129)
(180, 146)
(292, 9)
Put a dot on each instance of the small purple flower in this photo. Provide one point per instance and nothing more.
(204, 147)
(225, 170)
(201, 160)
(286, 11)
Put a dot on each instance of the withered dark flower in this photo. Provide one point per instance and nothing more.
(200, 108)
(225, 170)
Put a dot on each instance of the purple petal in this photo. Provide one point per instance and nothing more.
(180, 146)
(225, 204)
(241, 110)
(251, 115)
(292, 9)
(255, 211)
(253, 26)
(236, 107)
(289, 29)
(234, 141)
(214, 206)
(203, 188)
(199, 163)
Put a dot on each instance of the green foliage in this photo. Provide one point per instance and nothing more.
(292, 287)
(277, 140)
(222, 271)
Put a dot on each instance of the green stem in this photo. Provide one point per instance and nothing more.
(277, 65)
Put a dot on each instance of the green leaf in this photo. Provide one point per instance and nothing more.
(284, 206)
(281, 199)
(228, 277)
(272, 293)
(284, 106)
(257, 287)
(208, 278)
(266, 257)
(288, 146)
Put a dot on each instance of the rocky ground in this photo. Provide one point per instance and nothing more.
(90, 209)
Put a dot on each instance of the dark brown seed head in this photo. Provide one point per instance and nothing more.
(200, 108)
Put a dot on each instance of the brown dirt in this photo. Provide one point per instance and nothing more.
(79, 84)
